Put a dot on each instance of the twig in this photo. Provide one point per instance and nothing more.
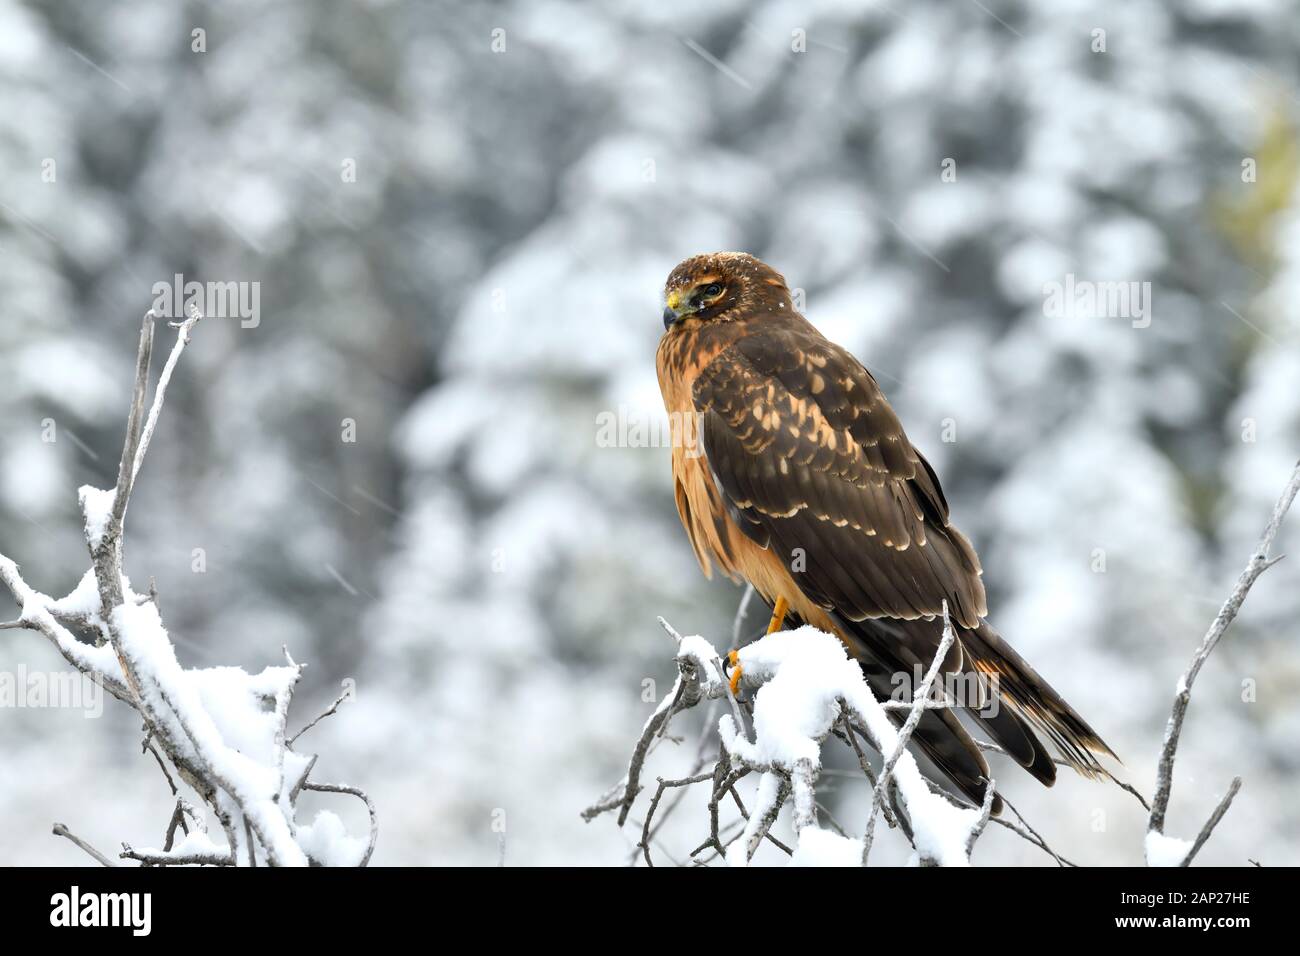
(364, 798)
(758, 827)
(986, 812)
(739, 621)
(687, 691)
(851, 736)
(1258, 564)
(283, 700)
(991, 747)
(696, 767)
(1025, 831)
(148, 747)
(1213, 822)
(805, 801)
(1128, 788)
(61, 830)
(150, 858)
(160, 392)
(839, 830)
(905, 732)
(329, 712)
(177, 821)
(646, 833)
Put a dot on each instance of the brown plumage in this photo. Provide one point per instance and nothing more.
(808, 488)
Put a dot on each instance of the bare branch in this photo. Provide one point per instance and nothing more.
(1213, 822)
(646, 832)
(160, 393)
(1258, 564)
(61, 830)
(151, 858)
(128, 466)
(364, 798)
(986, 813)
(919, 697)
(739, 621)
(329, 712)
(692, 685)
(148, 747)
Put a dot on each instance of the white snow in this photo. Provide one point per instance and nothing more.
(804, 675)
(818, 847)
(769, 787)
(706, 660)
(194, 843)
(83, 599)
(1164, 850)
(326, 841)
(36, 609)
(96, 505)
(169, 689)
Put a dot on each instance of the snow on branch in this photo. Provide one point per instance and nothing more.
(219, 730)
(1163, 850)
(806, 689)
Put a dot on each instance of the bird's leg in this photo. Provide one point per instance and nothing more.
(733, 658)
(778, 615)
(774, 625)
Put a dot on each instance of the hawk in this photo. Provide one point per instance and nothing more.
(805, 485)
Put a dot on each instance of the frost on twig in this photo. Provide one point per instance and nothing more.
(1163, 850)
(219, 730)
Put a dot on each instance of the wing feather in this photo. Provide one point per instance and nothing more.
(807, 451)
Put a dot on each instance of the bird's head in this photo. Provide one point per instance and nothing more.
(720, 287)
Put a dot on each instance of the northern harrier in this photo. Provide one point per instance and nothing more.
(808, 489)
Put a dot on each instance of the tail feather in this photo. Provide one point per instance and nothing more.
(1014, 735)
(1031, 697)
(1028, 705)
(940, 736)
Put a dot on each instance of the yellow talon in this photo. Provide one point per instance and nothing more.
(774, 625)
(778, 615)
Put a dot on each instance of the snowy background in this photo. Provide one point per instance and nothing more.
(526, 174)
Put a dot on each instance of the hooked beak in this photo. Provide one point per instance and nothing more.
(672, 305)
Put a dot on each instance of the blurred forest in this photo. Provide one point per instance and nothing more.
(487, 284)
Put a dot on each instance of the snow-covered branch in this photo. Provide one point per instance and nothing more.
(805, 690)
(222, 730)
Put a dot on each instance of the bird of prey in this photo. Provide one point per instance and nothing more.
(804, 485)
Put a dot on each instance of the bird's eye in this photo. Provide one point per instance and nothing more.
(712, 289)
